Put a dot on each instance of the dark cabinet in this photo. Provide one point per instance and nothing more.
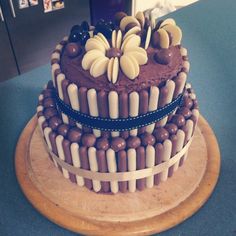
(34, 34)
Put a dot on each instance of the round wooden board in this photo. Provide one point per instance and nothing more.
(140, 213)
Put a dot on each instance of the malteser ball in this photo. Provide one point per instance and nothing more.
(119, 16)
(74, 134)
(102, 143)
(54, 122)
(147, 139)
(133, 142)
(171, 128)
(187, 102)
(118, 144)
(185, 112)
(63, 129)
(88, 140)
(163, 56)
(48, 102)
(161, 134)
(73, 49)
(49, 112)
(47, 93)
(124, 134)
(178, 119)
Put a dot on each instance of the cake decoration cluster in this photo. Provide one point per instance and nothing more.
(124, 52)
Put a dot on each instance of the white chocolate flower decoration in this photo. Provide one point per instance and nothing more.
(101, 57)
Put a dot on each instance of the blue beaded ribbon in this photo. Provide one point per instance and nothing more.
(119, 124)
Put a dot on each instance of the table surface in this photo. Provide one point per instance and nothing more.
(210, 36)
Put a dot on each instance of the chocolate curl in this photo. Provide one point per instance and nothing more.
(59, 81)
(113, 108)
(141, 165)
(102, 167)
(188, 130)
(179, 84)
(74, 149)
(166, 97)
(177, 145)
(52, 138)
(122, 167)
(93, 107)
(153, 104)
(112, 168)
(124, 110)
(133, 109)
(167, 146)
(53, 69)
(83, 154)
(131, 153)
(65, 83)
(143, 106)
(159, 151)
(150, 162)
(59, 140)
(68, 158)
(84, 105)
(94, 167)
(73, 95)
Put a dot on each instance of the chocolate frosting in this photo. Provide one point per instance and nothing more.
(150, 74)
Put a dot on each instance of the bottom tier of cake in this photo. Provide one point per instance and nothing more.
(143, 161)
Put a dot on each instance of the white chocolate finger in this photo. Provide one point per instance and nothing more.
(132, 167)
(133, 109)
(153, 103)
(180, 143)
(167, 145)
(59, 140)
(74, 149)
(93, 107)
(150, 162)
(54, 68)
(112, 168)
(94, 167)
(113, 108)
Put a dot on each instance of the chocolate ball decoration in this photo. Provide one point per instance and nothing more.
(118, 144)
(185, 112)
(74, 134)
(119, 16)
(161, 134)
(88, 140)
(133, 142)
(54, 122)
(73, 50)
(187, 102)
(63, 129)
(163, 56)
(48, 102)
(102, 143)
(171, 128)
(179, 120)
(50, 112)
(147, 139)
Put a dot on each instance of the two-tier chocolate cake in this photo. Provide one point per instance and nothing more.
(118, 114)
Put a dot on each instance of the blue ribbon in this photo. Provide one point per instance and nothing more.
(119, 124)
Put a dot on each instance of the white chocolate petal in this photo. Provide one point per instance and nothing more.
(133, 30)
(148, 37)
(101, 41)
(118, 39)
(175, 32)
(164, 38)
(141, 58)
(104, 40)
(90, 57)
(115, 70)
(93, 43)
(133, 41)
(168, 21)
(140, 16)
(127, 67)
(135, 64)
(126, 20)
(113, 39)
(99, 66)
(109, 69)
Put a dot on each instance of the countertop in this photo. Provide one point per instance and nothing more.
(210, 35)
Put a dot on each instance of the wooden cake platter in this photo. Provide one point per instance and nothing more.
(140, 213)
